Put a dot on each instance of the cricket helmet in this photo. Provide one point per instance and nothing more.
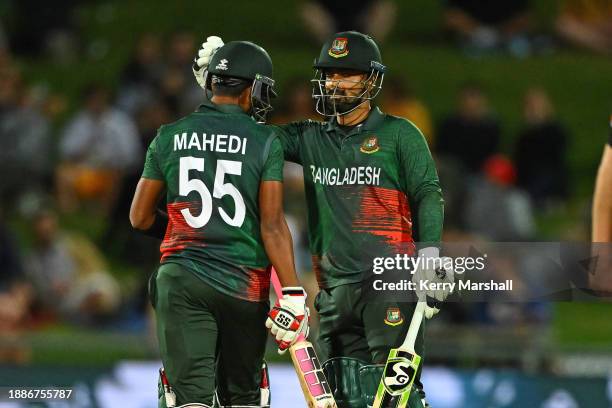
(347, 51)
(246, 61)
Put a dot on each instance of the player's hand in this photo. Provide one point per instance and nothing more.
(432, 279)
(205, 53)
(288, 319)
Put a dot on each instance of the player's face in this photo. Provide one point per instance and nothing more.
(344, 89)
(346, 84)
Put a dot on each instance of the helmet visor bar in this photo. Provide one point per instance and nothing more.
(331, 100)
(262, 93)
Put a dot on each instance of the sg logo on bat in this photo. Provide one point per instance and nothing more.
(399, 373)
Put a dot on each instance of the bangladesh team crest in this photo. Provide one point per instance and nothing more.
(394, 317)
(339, 47)
(369, 145)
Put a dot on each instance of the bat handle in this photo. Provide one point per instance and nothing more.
(415, 325)
(278, 288)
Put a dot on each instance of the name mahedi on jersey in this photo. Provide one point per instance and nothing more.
(210, 142)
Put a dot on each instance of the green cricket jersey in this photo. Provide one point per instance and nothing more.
(371, 192)
(212, 162)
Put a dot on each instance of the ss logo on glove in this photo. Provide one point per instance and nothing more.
(284, 320)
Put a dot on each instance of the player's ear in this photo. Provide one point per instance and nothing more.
(244, 100)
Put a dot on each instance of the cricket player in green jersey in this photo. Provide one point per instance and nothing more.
(221, 172)
(372, 192)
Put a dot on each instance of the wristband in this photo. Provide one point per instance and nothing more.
(294, 291)
(159, 226)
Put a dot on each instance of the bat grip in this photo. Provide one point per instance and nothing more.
(278, 288)
(415, 325)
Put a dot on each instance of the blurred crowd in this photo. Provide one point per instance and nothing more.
(477, 26)
(61, 176)
(82, 172)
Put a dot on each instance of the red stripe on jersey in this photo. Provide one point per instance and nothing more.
(259, 284)
(386, 213)
(179, 235)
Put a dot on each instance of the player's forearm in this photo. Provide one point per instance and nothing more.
(602, 201)
(153, 225)
(279, 247)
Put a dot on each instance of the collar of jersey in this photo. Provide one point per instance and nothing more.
(225, 108)
(372, 122)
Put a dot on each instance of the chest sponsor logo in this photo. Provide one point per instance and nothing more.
(369, 145)
(394, 317)
(339, 47)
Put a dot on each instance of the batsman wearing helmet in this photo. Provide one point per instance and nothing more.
(221, 172)
(372, 191)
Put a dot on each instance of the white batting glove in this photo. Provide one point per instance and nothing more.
(432, 280)
(288, 319)
(205, 53)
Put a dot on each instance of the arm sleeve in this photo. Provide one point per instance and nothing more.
(152, 167)
(421, 184)
(273, 166)
(289, 136)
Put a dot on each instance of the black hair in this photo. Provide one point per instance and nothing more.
(228, 86)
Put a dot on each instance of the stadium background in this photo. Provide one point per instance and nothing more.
(561, 358)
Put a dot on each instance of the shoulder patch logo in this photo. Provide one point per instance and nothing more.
(339, 47)
(394, 317)
(222, 65)
(369, 145)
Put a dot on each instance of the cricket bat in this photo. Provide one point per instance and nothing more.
(306, 363)
(401, 368)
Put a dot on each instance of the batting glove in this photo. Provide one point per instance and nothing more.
(433, 278)
(205, 53)
(288, 319)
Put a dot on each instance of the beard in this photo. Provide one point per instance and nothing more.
(341, 103)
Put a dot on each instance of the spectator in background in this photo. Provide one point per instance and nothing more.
(141, 77)
(182, 93)
(472, 133)
(38, 29)
(400, 100)
(134, 248)
(4, 47)
(172, 90)
(69, 274)
(484, 25)
(494, 208)
(323, 18)
(297, 104)
(541, 151)
(25, 156)
(15, 300)
(587, 23)
(98, 146)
